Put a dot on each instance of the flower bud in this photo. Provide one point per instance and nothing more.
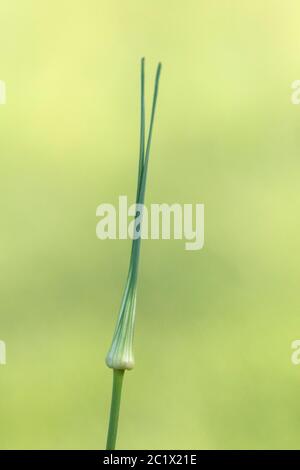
(120, 354)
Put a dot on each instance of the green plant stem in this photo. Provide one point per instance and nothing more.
(120, 354)
(114, 409)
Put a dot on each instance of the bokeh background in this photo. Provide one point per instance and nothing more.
(214, 327)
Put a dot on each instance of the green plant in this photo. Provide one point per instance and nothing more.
(120, 355)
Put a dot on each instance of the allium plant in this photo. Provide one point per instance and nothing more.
(120, 355)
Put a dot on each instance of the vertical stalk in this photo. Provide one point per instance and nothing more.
(120, 355)
(114, 409)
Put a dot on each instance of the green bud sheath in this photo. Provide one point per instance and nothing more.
(120, 355)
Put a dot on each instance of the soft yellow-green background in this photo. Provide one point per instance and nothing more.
(214, 327)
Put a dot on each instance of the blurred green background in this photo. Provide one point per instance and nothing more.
(214, 327)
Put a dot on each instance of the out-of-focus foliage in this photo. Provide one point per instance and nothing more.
(214, 327)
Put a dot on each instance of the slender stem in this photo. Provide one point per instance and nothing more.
(144, 158)
(142, 125)
(114, 409)
(124, 331)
